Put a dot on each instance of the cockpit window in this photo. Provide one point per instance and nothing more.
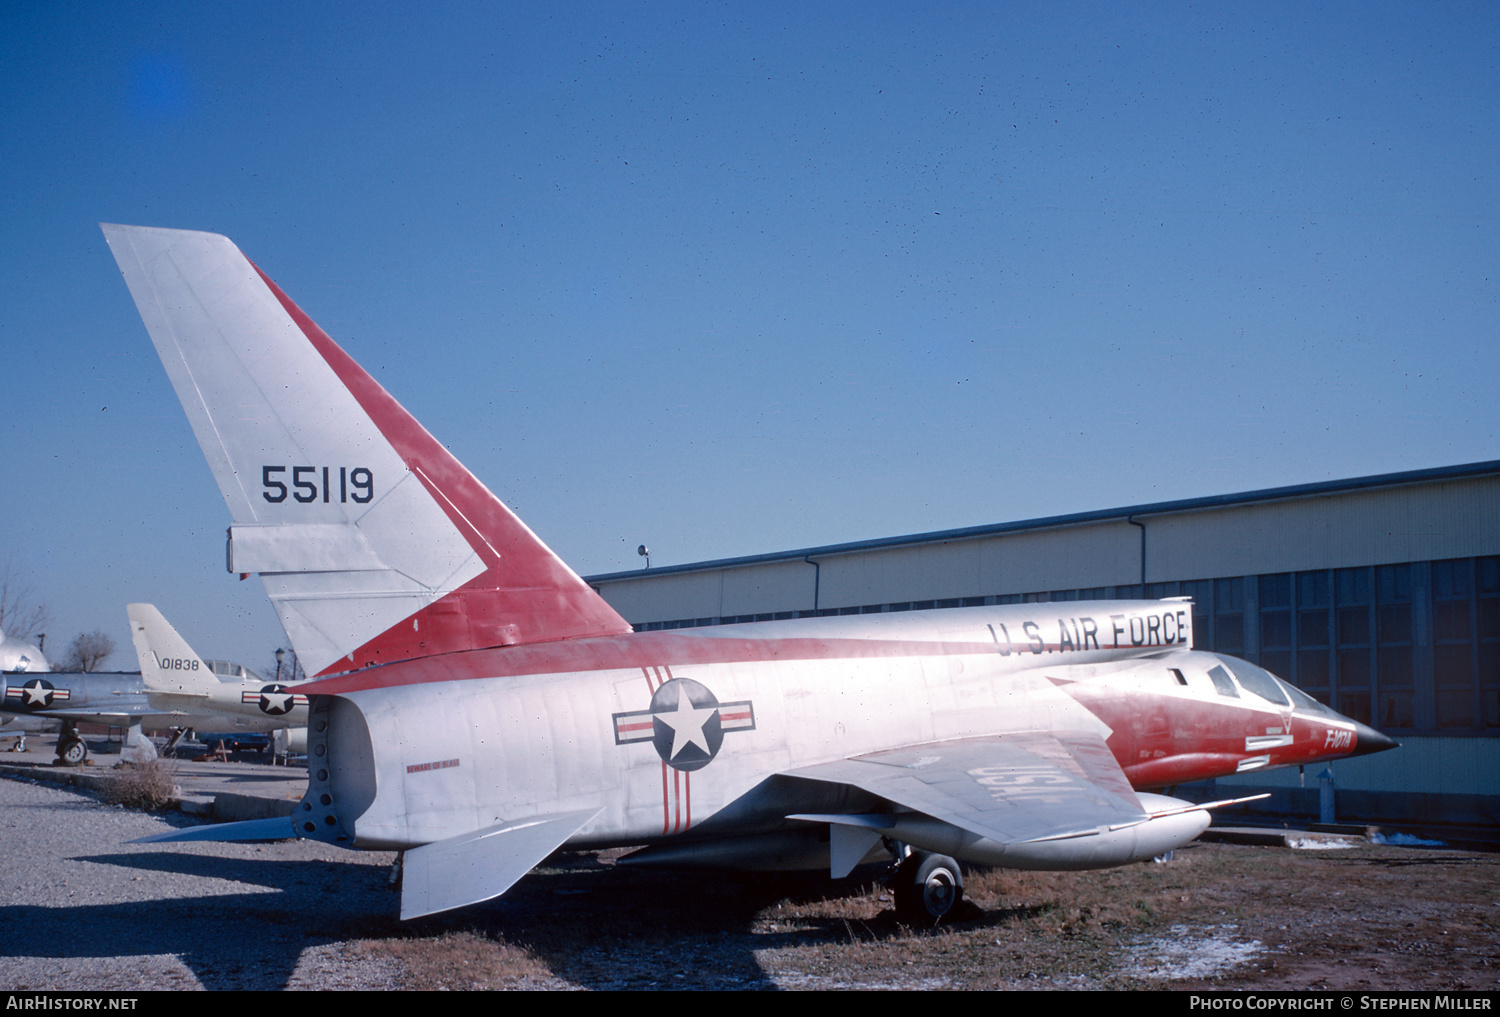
(229, 671)
(1257, 680)
(1302, 701)
(1223, 684)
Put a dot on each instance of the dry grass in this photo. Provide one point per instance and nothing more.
(1218, 916)
(463, 960)
(149, 787)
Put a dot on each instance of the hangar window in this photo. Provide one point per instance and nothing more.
(1488, 574)
(1454, 656)
(1313, 601)
(1202, 592)
(1394, 669)
(1229, 615)
(1352, 608)
(1276, 622)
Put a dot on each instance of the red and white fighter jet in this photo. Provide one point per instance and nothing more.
(479, 705)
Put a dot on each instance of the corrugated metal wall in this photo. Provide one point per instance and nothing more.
(1418, 522)
(1457, 519)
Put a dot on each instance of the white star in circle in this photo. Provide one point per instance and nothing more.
(36, 693)
(687, 723)
(276, 702)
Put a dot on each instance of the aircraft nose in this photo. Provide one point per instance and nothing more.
(1367, 740)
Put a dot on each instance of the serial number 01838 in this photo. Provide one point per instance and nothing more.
(317, 483)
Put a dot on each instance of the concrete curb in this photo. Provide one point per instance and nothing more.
(222, 807)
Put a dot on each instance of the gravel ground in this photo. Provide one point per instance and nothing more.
(83, 909)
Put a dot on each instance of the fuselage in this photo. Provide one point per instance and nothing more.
(121, 698)
(668, 733)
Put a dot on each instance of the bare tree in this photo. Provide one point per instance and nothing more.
(87, 652)
(22, 616)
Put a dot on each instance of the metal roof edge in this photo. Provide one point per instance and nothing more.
(1313, 490)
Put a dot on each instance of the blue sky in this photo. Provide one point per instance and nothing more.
(727, 279)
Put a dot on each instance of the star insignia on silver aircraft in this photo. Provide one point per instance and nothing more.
(275, 700)
(686, 724)
(37, 694)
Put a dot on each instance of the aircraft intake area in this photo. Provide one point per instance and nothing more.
(1379, 596)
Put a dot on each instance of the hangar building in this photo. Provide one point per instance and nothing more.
(1379, 596)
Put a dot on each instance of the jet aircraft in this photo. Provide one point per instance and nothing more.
(17, 655)
(175, 690)
(177, 677)
(478, 705)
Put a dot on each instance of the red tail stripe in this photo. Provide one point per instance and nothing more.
(535, 598)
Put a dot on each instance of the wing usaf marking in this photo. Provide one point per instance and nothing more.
(479, 705)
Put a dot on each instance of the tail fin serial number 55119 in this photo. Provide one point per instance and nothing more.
(357, 485)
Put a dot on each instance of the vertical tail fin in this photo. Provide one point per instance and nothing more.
(168, 663)
(373, 542)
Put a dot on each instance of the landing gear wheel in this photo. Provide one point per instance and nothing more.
(73, 752)
(928, 888)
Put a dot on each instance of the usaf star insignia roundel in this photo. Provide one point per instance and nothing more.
(685, 724)
(274, 700)
(37, 694)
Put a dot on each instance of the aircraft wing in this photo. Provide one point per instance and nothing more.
(117, 716)
(57, 707)
(1006, 788)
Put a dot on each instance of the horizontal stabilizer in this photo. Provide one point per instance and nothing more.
(478, 866)
(277, 828)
